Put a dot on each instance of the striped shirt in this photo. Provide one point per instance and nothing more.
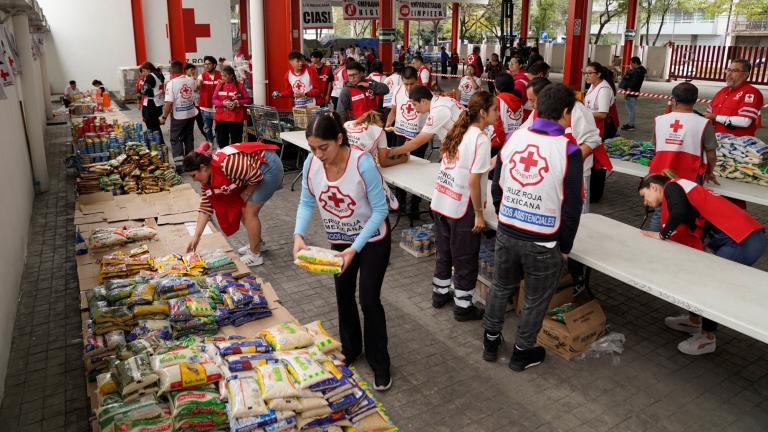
(242, 169)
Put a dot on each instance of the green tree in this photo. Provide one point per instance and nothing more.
(610, 9)
(547, 15)
(752, 9)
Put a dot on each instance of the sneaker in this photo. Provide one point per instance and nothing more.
(348, 359)
(382, 382)
(251, 260)
(524, 359)
(471, 313)
(491, 346)
(683, 324)
(628, 128)
(440, 300)
(697, 344)
(244, 250)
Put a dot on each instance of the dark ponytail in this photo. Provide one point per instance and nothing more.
(660, 179)
(198, 157)
(327, 127)
(479, 101)
(605, 74)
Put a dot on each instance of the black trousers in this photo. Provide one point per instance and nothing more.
(151, 115)
(371, 263)
(458, 249)
(199, 121)
(182, 138)
(597, 185)
(228, 133)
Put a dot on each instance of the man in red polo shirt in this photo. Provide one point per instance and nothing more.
(736, 107)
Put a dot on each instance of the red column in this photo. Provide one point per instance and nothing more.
(176, 31)
(386, 21)
(628, 44)
(277, 26)
(244, 44)
(295, 25)
(575, 33)
(524, 7)
(139, 41)
(374, 33)
(455, 26)
(406, 33)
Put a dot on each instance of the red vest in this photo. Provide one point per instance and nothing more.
(223, 114)
(207, 88)
(723, 214)
(223, 193)
(429, 77)
(362, 102)
(323, 79)
(601, 158)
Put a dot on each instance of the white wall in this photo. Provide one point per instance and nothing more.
(17, 201)
(218, 15)
(89, 40)
(156, 31)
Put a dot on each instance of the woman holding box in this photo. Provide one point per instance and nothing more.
(346, 186)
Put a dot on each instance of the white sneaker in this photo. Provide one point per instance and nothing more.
(697, 344)
(244, 250)
(251, 260)
(683, 324)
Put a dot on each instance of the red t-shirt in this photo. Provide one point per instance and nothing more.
(743, 101)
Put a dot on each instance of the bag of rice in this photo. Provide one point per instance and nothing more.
(187, 376)
(285, 404)
(106, 237)
(274, 382)
(320, 256)
(143, 408)
(148, 391)
(322, 339)
(246, 362)
(243, 346)
(272, 421)
(104, 400)
(115, 338)
(287, 336)
(173, 358)
(188, 403)
(134, 374)
(244, 398)
(141, 232)
(159, 424)
(304, 370)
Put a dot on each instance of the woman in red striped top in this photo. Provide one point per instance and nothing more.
(236, 182)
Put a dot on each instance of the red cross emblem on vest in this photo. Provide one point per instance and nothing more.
(337, 203)
(467, 87)
(408, 111)
(298, 86)
(676, 126)
(186, 92)
(527, 166)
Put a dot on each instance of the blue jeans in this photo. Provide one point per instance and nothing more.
(272, 179)
(208, 126)
(747, 252)
(655, 223)
(631, 104)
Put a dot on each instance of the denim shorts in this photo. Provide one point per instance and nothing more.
(272, 180)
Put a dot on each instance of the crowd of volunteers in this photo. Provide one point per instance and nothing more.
(541, 148)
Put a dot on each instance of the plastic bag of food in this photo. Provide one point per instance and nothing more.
(115, 258)
(170, 264)
(134, 374)
(178, 310)
(199, 306)
(320, 256)
(139, 262)
(308, 404)
(188, 375)
(202, 423)
(317, 268)
(317, 412)
(105, 384)
(194, 263)
(115, 338)
(173, 358)
(112, 315)
(220, 282)
(322, 339)
(183, 402)
(279, 419)
(155, 328)
(141, 250)
(237, 297)
(159, 424)
(274, 382)
(143, 294)
(108, 399)
(106, 237)
(139, 346)
(244, 398)
(94, 345)
(168, 285)
(246, 362)
(194, 326)
(143, 408)
(304, 369)
(154, 308)
(96, 294)
(104, 328)
(285, 404)
(287, 336)
(243, 346)
(141, 232)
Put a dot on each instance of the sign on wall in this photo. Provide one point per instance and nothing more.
(421, 10)
(316, 14)
(361, 9)
(207, 30)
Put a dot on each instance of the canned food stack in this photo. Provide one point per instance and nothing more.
(486, 259)
(419, 241)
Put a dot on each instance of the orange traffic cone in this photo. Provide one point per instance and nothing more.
(669, 106)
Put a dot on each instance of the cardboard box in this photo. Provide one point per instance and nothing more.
(563, 295)
(583, 325)
(481, 296)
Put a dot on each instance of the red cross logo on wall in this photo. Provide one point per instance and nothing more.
(676, 126)
(193, 30)
(3, 74)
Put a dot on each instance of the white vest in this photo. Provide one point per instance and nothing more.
(437, 108)
(451, 197)
(591, 100)
(466, 90)
(338, 81)
(408, 122)
(158, 91)
(366, 137)
(343, 204)
(393, 82)
(301, 83)
(532, 181)
(680, 132)
(510, 120)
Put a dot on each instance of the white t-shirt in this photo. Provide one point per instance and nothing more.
(599, 98)
(181, 92)
(443, 112)
(466, 89)
(69, 91)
